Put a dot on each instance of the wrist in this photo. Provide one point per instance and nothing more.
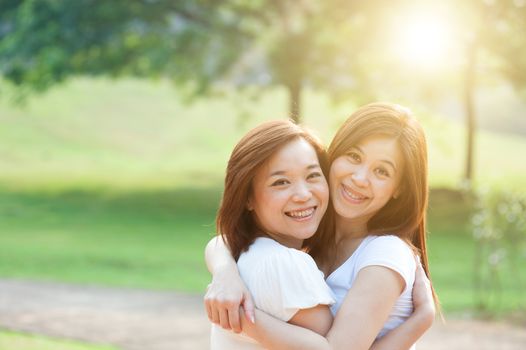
(225, 270)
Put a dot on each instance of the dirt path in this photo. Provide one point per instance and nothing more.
(146, 320)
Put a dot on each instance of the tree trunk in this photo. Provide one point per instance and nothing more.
(470, 110)
(295, 101)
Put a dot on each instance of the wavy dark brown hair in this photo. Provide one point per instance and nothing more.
(234, 222)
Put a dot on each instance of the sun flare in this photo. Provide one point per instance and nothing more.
(423, 41)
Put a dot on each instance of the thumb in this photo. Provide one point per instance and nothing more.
(248, 306)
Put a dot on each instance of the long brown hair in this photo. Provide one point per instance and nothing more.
(234, 222)
(404, 216)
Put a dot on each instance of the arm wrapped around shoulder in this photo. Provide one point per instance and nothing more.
(287, 281)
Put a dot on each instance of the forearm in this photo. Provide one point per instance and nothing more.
(358, 321)
(218, 257)
(273, 333)
(405, 335)
(227, 291)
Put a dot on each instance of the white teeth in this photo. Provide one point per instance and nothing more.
(352, 195)
(300, 213)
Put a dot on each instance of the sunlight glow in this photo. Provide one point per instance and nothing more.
(424, 41)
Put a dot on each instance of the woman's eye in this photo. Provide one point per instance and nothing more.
(382, 172)
(280, 182)
(314, 175)
(355, 156)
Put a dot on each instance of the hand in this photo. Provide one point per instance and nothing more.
(224, 296)
(248, 326)
(422, 295)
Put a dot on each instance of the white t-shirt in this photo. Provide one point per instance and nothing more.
(282, 281)
(388, 251)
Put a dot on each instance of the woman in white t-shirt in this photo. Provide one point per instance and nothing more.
(274, 198)
(379, 192)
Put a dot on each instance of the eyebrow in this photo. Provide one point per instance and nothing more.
(381, 160)
(282, 172)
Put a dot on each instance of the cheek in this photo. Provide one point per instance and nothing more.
(274, 199)
(322, 191)
(335, 173)
(385, 189)
(262, 200)
(332, 182)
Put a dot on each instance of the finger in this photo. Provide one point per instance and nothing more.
(223, 319)
(233, 317)
(248, 305)
(208, 309)
(214, 314)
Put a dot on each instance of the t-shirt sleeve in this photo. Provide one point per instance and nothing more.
(288, 281)
(390, 252)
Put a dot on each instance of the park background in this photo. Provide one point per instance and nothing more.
(118, 118)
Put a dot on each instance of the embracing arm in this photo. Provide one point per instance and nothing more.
(218, 256)
(362, 315)
(405, 335)
(227, 291)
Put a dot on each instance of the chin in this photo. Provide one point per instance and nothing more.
(309, 234)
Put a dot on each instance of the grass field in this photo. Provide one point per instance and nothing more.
(118, 183)
(19, 341)
(132, 134)
(143, 239)
(156, 239)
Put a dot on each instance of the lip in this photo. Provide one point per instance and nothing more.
(352, 195)
(302, 214)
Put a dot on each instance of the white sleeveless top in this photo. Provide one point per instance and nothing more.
(282, 281)
(388, 251)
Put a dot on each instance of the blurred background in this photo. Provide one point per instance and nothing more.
(117, 119)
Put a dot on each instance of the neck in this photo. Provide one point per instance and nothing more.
(287, 241)
(350, 228)
(349, 235)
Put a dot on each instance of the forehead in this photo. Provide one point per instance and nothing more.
(295, 154)
(381, 146)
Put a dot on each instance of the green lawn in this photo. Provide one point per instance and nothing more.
(117, 183)
(143, 239)
(132, 134)
(20, 341)
(452, 255)
(156, 240)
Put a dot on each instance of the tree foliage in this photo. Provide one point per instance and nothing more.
(289, 43)
(294, 42)
(45, 41)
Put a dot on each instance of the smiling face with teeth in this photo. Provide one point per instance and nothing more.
(364, 179)
(290, 194)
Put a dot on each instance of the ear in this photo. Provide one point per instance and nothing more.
(249, 205)
(396, 194)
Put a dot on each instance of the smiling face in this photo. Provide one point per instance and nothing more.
(364, 179)
(290, 194)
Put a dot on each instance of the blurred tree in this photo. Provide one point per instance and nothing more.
(496, 29)
(489, 41)
(290, 43)
(42, 42)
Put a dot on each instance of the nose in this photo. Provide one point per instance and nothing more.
(360, 177)
(302, 192)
